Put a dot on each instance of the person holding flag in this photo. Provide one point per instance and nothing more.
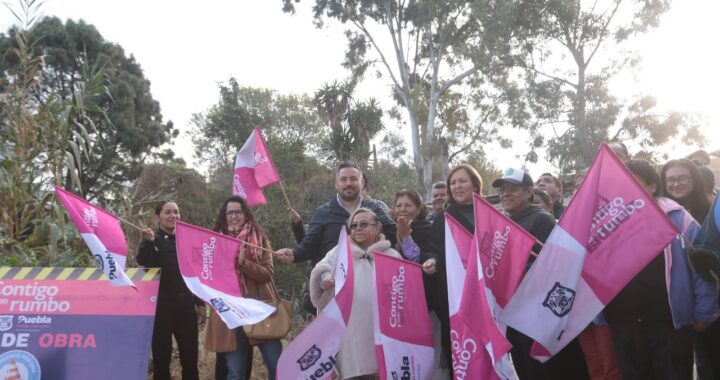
(255, 269)
(463, 181)
(516, 196)
(330, 217)
(357, 353)
(178, 311)
(653, 316)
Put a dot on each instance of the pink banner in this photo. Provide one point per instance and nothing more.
(313, 353)
(504, 250)
(478, 347)
(101, 232)
(403, 335)
(207, 264)
(611, 229)
(254, 170)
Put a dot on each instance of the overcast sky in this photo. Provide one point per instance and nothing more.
(186, 48)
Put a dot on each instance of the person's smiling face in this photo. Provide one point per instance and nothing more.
(461, 187)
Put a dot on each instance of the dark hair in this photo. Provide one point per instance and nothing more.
(545, 197)
(159, 206)
(708, 178)
(643, 170)
(416, 199)
(697, 202)
(623, 149)
(701, 156)
(221, 219)
(439, 185)
(349, 164)
(556, 180)
(474, 178)
(366, 181)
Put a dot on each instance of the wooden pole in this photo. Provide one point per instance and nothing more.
(128, 223)
(258, 247)
(282, 188)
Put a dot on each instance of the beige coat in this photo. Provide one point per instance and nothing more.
(357, 354)
(257, 276)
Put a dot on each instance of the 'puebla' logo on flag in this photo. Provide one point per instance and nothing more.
(559, 300)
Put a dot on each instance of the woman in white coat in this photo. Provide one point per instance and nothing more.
(357, 354)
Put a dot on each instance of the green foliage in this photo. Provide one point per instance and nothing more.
(218, 133)
(353, 123)
(125, 124)
(435, 46)
(41, 143)
(570, 53)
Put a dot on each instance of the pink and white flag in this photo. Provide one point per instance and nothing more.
(403, 335)
(611, 230)
(313, 353)
(504, 249)
(479, 349)
(207, 265)
(102, 234)
(254, 170)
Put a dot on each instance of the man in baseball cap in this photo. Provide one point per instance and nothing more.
(516, 193)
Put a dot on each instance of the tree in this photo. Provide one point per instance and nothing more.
(572, 95)
(353, 123)
(41, 143)
(438, 43)
(126, 125)
(435, 46)
(219, 132)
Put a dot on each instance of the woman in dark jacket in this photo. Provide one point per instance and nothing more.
(178, 310)
(462, 182)
(413, 232)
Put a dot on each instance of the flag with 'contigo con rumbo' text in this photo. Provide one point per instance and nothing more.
(479, 349)
(504, 249)
(102, 234)
(611, 230)
(254, 170)
(403, 335)
(313, 353)
(207, 265)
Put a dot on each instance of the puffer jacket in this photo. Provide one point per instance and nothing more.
(691, 298)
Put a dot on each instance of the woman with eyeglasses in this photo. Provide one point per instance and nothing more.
(254, 268)
(356, 359)
(683, 183)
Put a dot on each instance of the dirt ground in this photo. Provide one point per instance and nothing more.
(206, 360)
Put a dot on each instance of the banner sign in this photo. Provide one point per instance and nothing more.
(71, 323)
(403, 336)
(313, 353)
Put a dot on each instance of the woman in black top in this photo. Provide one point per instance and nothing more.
(462, 182)
(178, 311)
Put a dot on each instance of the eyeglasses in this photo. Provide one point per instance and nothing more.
(680, 180)
(361, 226)
(233, 212)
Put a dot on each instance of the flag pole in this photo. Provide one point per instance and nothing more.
(257, 246)
(128, 223)
(282, 188)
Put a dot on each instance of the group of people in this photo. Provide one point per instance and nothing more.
(661, 323)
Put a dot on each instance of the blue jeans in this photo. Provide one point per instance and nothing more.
(236, 361)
